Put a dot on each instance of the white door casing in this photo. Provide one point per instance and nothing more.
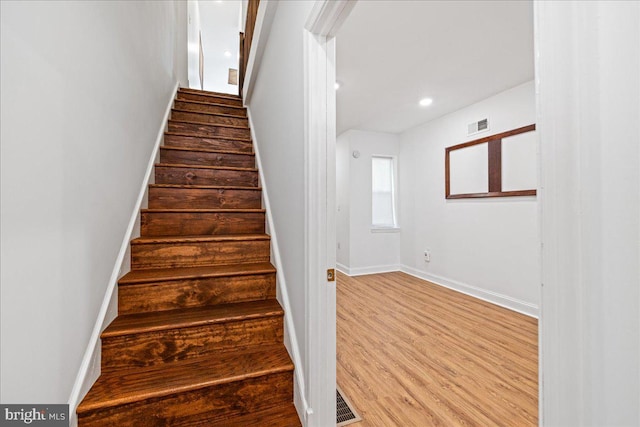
(320, 200)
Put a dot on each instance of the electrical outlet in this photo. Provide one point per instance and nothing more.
(338, 245)
(427, 255)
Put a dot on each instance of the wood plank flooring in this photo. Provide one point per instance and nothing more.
(411, 353)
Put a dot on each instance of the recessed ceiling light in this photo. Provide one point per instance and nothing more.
(425, 102)
(336, 85)
(227, 54)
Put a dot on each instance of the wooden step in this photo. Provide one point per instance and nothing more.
(212, 97)
(198, 340)
(209, 118)
(147, 339)
(280, 416)
(206, 157)
(195, 222)
(212, 390)
(210, 93)
(209, 107)
(209, 130)
(142, 291)
(193, 140)
(205, 175)
(191, 251)
(169, 196)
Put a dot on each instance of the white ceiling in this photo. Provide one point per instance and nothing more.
(391, 54)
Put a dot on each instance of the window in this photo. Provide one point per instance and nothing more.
(383, 198)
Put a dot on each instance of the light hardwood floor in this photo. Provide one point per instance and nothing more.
(411, 353)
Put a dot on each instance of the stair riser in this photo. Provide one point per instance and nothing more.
(167, 255)
(202, 198)
(279, 416)
(195, 176)
(209, 98)
(201, 158)
(209, 118)
(214, 404)
(153, 348)
(207, 143)
(210, 108)
(186, 293)
(209, 130)
(154, 224)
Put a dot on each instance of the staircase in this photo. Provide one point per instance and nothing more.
(198, 340)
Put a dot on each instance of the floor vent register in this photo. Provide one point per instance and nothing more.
(346, 413)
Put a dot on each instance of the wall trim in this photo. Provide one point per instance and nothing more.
(343, 269)
(319, 227)
(505, 301)
(90, 366)
(374, 269)
(290, 330)
(319, 44)
(327, 17)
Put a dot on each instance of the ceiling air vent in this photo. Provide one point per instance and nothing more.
(477, 127)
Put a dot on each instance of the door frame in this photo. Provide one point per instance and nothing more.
(323, 22)
(565, 70)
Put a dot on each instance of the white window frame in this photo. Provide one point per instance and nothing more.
(391, 228)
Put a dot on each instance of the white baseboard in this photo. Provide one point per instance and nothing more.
(90, 367)
(374, 269)
(290, 336)
(343, 269)
(505, 301)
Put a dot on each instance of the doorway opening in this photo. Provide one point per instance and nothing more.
(213, 45)
(410, 80)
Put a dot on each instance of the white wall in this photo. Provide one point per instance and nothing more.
(194, 28)
(487, 247)
(244, 5)
(84, 86)
(276, 107)
(220, 32)
(343, 202)
(364, 251)
(589, 124)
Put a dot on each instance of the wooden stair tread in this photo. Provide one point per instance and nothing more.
(200, 135)
(122, 387)
(206, 187)
(198, 339)
(186, 210)
(128, 324)
(167, 274)
(209, 124)
(206, 150)
(193, 239)
(208, 113)
(229, 168)
(279, 416)
(209, 93)
(214, 104)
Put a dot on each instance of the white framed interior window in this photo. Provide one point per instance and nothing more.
(383, 193)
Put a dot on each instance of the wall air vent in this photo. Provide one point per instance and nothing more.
(233, 76)
(477, 127)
